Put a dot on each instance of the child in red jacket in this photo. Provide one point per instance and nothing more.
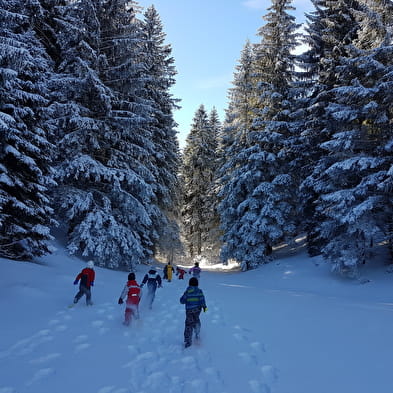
(133, 292)
(180, 272)
(86, 277)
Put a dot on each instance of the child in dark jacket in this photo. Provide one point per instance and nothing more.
(153, 280)
(133, 293)
(194, 302)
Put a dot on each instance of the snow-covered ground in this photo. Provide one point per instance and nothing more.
(289, 327)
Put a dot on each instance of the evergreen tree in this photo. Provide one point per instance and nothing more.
(234, 141)
(346, 180)
(212, 238)
(197, 175)
(239, 114)
(330, 28)
(129, 141)
(160, 72)
(354, 203)
(103, 194)
(81, 102)
(381, 22)
(266, 211)
(25, 171)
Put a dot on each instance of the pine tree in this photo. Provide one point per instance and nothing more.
(234, 141)
(212, 237)
(197, 174)
(81, 102)
(103, 195)
(165, 159)
(346, 179)
(329, 29)
(266, 211)
(380, 23)
(25, 170)
(129, 141)
(354, 202)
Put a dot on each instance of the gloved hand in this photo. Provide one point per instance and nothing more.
(120, 301)
(141, 285)
(204, 309)
(92, 284)
(76, 282)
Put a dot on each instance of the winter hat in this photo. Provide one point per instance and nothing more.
(193, 282)
(90, 264)
(152, 271)
(131, 276)
(196, 264)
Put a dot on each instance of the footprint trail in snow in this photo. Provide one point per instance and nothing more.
(88, 349)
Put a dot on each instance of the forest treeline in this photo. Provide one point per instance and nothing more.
(88, 139)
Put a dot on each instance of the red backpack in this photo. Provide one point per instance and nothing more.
(133, 292)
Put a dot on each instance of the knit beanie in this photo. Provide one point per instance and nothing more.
(193, 282)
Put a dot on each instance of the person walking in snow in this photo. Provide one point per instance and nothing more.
(195, 270)
(180, 273)
(153, 280)
(133, 292)
(86, 278)
(194, 301)
(168, 269)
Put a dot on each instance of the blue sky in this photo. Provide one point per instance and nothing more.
(207, 37)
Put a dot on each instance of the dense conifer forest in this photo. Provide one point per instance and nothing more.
(89, 148)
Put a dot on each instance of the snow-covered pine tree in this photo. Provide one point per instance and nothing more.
(233, 143)
(102, 194)
(197, 174)
(266, 211)
(165, 160)
(212, 234)
(312, 131)
(376, 23)
(383, 17)
(324, 37)
(383, 55)
(25, 171)
(130, 236)
(357, 208)
(80, 105)
(44, 17)
(346, 179)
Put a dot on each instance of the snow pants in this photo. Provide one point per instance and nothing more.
(192, 323)
(151, 294)
(83, 291)
(131, 311)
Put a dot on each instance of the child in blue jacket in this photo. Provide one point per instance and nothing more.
(194, 300)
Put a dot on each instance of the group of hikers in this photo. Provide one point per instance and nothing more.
(193, 297)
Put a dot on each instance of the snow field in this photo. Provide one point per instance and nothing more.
(288, 327)
(88, 349)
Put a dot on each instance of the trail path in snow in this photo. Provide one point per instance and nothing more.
(87, 349)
